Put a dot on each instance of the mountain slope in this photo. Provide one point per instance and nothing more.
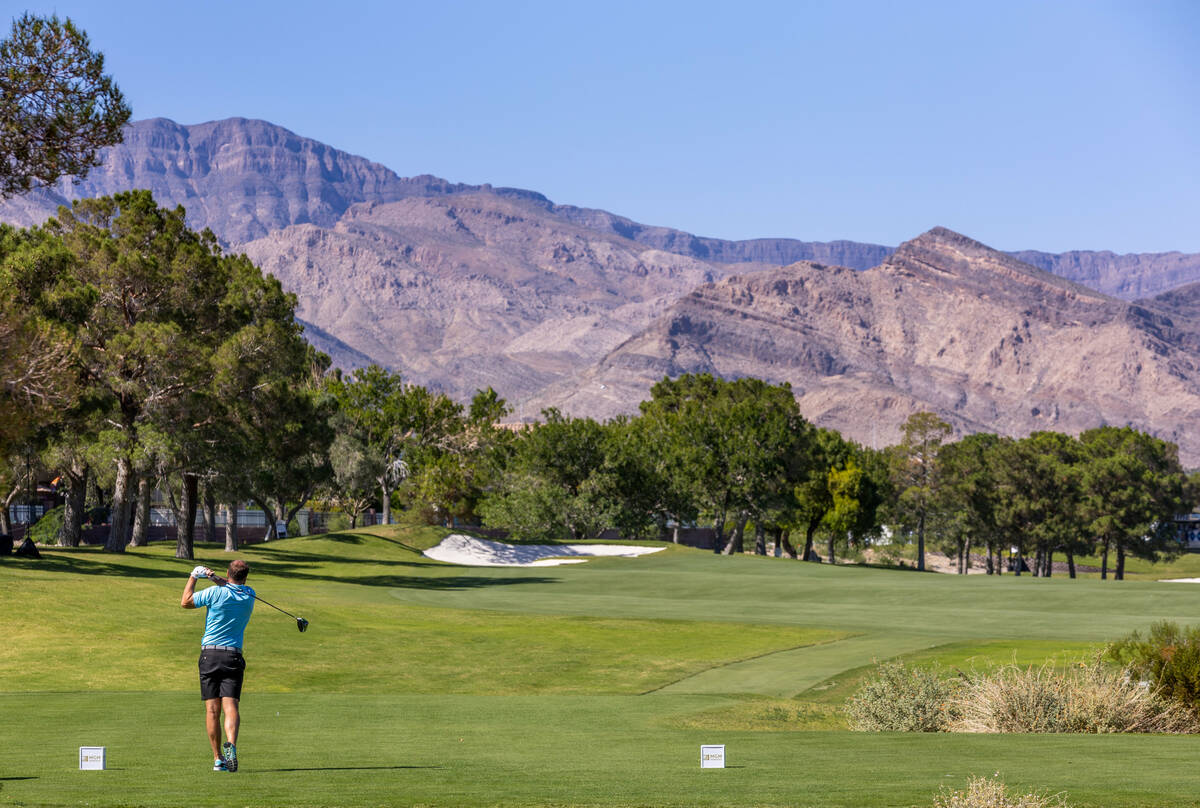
(945, 324)
(470, 290)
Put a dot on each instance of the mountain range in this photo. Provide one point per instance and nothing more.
(464, 286)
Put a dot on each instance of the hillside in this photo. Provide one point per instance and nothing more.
(466, 291)
(945, 324)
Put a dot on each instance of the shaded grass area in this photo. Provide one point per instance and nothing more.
(346, 750)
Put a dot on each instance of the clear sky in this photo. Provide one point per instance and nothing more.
(1041, 125)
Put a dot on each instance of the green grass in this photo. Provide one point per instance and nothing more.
(421, 683)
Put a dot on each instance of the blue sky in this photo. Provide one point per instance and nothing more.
(1040, 125)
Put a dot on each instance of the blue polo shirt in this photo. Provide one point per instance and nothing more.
(229, 610)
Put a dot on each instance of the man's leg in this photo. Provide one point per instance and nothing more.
(212, 720)
(232, 719)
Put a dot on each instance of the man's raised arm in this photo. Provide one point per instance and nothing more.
(189, 588)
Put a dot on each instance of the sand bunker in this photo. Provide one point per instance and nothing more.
(1179, 580)
(471, 552)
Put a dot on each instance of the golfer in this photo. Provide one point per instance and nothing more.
(221, 663)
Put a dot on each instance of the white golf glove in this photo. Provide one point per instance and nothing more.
(201, 572)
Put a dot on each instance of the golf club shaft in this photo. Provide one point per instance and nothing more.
(223, 582)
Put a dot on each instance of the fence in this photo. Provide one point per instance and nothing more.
(20, 514)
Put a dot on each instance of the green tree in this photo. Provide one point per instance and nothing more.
(401, 424)
(355, 471)
(736, 448)
(36, 381)
(813, 494)
(1132, 488)
(1038, 508)
(857, 490)
(450, 484)
(168, 338)
(917, 473)
(552, 487)
(57, 106)
(969, 498)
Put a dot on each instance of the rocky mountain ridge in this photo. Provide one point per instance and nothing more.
(475, 289)
(944, 324)
(463, 286)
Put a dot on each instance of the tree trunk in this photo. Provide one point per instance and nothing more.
(829, 545)
(675, 534)
(1020, 562)
(719, 530)
(264, 506)
(1104, 563)
(280, 515)
(387, 502)
(921, 543)
(810, 531)
(118, 532)
(1120, 575)
(210, 515)
(1049, 568)
(735, 545)
(5, 522)
(1070, 564)
(231, 536)
(185, 518)
(785, 545)
(990, 569)
(141, 517)
(73, 504)
(964, 566)
(760, 539)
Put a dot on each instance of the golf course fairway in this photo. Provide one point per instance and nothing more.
(422, 683)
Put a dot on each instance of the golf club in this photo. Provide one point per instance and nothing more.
(301, 623)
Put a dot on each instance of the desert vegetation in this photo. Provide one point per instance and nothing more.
(991, 792)
(1081, 697)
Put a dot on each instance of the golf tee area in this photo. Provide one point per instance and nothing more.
(426, 683)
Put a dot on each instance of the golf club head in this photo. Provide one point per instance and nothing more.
(301, 624)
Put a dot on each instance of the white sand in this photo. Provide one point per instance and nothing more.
(471, 552)
(1179, 580)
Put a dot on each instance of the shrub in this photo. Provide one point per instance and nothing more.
(1087, 698)
(984, 792)
(1169, 659)
(48, 529)
(903, 699)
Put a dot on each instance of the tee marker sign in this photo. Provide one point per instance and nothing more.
(712, 757)
(92, 758)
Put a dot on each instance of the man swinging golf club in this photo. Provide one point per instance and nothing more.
(222, 666)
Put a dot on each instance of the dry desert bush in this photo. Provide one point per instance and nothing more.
(903, 699)
(985, 792)
(1086, 698)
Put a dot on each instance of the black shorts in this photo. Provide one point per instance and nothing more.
(221, 674)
